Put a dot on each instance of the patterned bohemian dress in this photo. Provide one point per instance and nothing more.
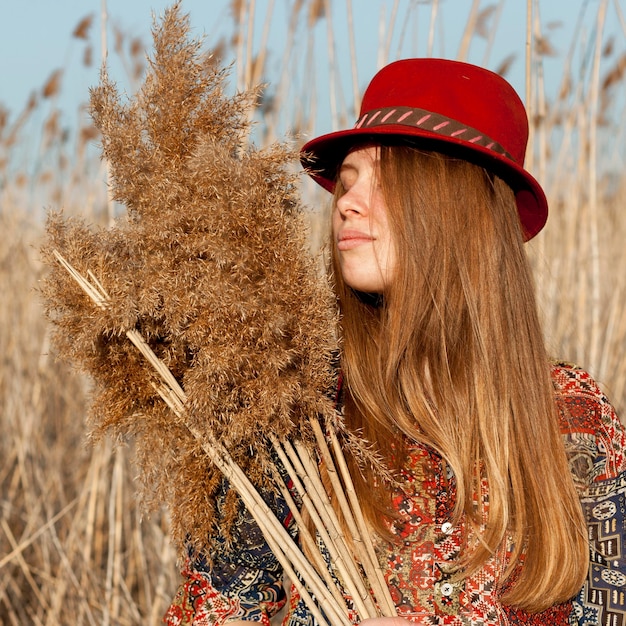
(245, 581)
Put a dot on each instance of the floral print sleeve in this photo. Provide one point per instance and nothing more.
(596, 440)
(241, 581)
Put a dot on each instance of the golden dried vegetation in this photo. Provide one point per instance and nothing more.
(210, 264)
(74, 547)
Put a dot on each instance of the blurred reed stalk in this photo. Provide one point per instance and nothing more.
(577, 258)
(67, 512)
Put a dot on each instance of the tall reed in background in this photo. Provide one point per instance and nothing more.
(73, 547)
(580, 259)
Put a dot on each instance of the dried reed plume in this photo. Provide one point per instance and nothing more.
(210, 266)
(81, 31)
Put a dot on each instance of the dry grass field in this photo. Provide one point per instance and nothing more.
(74, 547)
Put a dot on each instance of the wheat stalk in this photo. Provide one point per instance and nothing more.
(342, 485)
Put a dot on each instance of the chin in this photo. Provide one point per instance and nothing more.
(366, 285)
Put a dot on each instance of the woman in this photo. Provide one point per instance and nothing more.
(513, 467)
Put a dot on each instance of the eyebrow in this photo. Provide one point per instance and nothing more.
(346, 166)
(350, 166)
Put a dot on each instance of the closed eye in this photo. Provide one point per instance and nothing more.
(347, 176)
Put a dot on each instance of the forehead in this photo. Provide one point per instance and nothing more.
(362, 155)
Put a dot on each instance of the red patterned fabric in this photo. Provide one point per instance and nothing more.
(197, 602)
(418, 563)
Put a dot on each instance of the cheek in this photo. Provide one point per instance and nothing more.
(335, 222)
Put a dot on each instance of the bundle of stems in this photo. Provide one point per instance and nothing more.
(209, 277)
(210, 265)
(361, 577)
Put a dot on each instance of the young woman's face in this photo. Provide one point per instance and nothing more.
(360, 229)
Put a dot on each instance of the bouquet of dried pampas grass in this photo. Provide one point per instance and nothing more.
(205, 324)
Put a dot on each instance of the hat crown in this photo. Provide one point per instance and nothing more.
(470, 95)
(452, 107)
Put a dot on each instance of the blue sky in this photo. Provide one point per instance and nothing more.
(36, 37)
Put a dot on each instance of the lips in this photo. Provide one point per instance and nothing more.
(348, 239)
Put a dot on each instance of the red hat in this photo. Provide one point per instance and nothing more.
(447, 106)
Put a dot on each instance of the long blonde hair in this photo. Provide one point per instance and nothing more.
(454, 358)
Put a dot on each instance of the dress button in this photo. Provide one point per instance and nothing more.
(447, 589)
(447, 528)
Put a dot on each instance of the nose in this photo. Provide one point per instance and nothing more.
(351, 202)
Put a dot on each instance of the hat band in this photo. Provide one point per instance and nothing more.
(432, 122)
